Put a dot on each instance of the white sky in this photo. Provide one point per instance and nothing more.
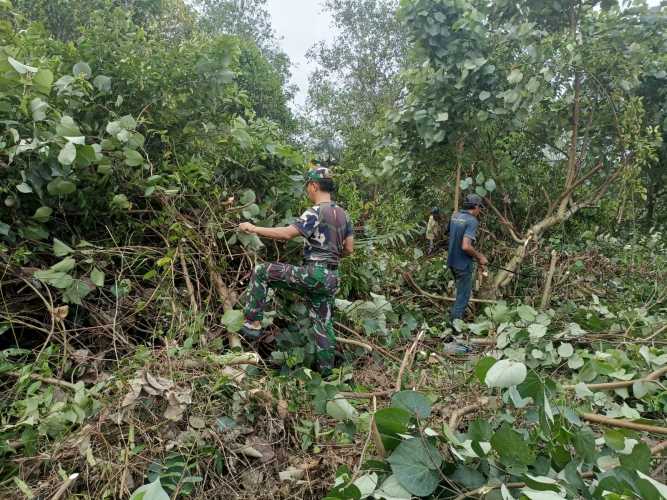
(300, 24)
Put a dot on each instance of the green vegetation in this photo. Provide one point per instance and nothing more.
(136, 135)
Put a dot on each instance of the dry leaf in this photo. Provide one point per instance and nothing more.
(60, 313)
(197, 422)
(282, 409)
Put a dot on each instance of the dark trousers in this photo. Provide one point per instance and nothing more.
(463, 279)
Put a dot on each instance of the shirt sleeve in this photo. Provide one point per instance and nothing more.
(307, 223)
(471, 229)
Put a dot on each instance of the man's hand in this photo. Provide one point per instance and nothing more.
(247, 227)
(483, 261)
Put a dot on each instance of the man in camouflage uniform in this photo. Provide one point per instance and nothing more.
(327, 231)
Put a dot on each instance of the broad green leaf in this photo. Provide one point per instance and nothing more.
(60, 249)
(4, 229)
(542, 495)
(67, 154)
(247, 197)
(42, 214)
(120, 202)
(482, 367)
(64, 266)
(660, 488)
(102, 83)
(480, 178)
(367, 484)
(515, 76)
(391, 422)
(565, 350)
(414, 402)
(541, 483)
(76, 292)
(340, 409)
(533, 84)
(391, 489)
(490, 185)
(82, 69)
(250, 241)
(505, 373)
(21, 68)
(38, 109)
(512, 447)
(416, 464)
(24, 188)
(56, 279)
(233, 320)
(133, 158)
(43, 80)
(536, 332)
(481, 191)
(85, 155)
(97, 277)
(442, 117)
(250, 211)
(638, 460)
(67, 127)
(484, 95)
(152, 491)
(128, 122)
(60, 187)
(526, 313)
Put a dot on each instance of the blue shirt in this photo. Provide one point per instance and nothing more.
(462, 223)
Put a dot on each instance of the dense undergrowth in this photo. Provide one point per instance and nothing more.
(136, 136)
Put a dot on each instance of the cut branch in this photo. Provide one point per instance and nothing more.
(457, 415)
(408, 358)
(408, 277)
(607, 386)
(546, 296)
(46, 380)
(625, 424)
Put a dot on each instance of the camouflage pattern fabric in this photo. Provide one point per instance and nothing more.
(324, 228)
(316, 283)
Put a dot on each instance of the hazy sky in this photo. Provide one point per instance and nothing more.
(300, 24)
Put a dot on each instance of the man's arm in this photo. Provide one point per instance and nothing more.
(348, 246)
(274, 233)
(470, 250)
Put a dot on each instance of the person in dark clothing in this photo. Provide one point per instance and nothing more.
(462, 235)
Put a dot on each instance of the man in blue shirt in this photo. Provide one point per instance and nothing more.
(462, 235)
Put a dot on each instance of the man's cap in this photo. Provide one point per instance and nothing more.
(318, 173)
(435, 210)
(473, 200)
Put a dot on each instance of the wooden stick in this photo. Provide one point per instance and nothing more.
(456, 415)
(377, 348)
(659, 447)
(546, 296)
(613, 422)
(46, 380)
(651, 377)
(408, 277)
(65, 486)
(354, 343)
(377, 439)
(188, 281)
(365, 395)
(408, 358)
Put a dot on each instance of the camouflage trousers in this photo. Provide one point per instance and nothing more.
(316, 283)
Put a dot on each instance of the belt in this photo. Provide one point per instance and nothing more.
(329, 265)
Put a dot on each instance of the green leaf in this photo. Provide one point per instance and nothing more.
(533, 84)
(97, 277)
(442, 117)
(233, 320)
(133, 158)
(565, 350)
(250, 241)
(42, 214)
(505, 373)
(43, 80)
(56, 279)
(340, 409)
(60, 187)
(484, 95)
(67, 127)
(660, 488)
(536, 331)
(638, 460)
(247, 197)
(480, 178)
(512, 447)
(76, 292)
(515, 76)
(128, 122)
(481, 191)
(416, 464)
(24, 188)
(60, 249)
(85, 155)
(4, 229)
(152, 491)
(67, 154)
(482, 367)
(584, 443)
(250, 211)
(102, 83)
(490, 185)
(120, 202)
(391, 489)
(21, 68)
(64, 266)
(38, 109)
(391, 422)
(414, 402)
(82, 69)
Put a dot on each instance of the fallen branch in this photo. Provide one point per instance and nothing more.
(456, 415)
(377, 348)
(65, 486)
(546, 295)
(408, 358)
(46, 380)
(606, 386)
(377, 439)
(613, 422)
(366, 395)
(408, 277)
(659, 447)
(188, 281)
(354, 343)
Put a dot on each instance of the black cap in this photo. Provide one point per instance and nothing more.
(473, 200)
